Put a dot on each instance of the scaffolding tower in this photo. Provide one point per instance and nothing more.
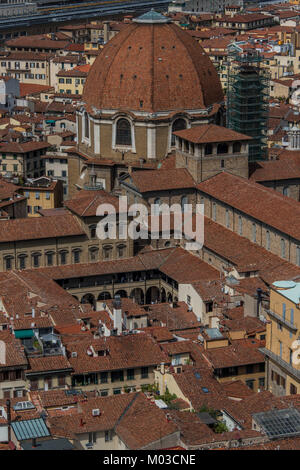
(248, 100)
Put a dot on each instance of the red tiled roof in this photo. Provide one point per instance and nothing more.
(85, 203)
(142, 60)
(210, 133)
(239, 352)
(39, 227)
(256, 201)
(162, 180)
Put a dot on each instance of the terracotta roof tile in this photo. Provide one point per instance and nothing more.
(129, 69)
(256, 201)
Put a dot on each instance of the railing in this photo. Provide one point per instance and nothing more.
(288, 367)
(282, 320)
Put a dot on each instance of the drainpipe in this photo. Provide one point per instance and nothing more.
(8, 419)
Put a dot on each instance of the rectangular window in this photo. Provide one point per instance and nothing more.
(47, 195)
(104, 377)
(130, 374)
(144, 372)
(250, 384)
(49, 259)
(34, 384)
(61, 381)
(92, 437)
(108, 436)
(261, 382)
(76, 256)
(283, 310)
(293, 389)
(37, 195)
(117, 376)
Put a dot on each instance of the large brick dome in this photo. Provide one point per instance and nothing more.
(150, 66)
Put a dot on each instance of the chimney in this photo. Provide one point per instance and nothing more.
(117, 311)
(33, 312)
(106, 31)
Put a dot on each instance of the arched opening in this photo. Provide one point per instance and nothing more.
(163, 296)
(156, 206)
(236, 148)
(104, 296)
(137, 295)
(123, 132)
(208, 149)
(184, 202)
(88, 299)
(152, 295)
(121, 293)
(170, 298)
(178, 125)
(93, 229)
(222, 148)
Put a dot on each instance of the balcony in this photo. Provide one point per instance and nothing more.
(282, 320)
(285, 365)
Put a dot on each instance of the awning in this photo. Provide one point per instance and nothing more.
(21, 334)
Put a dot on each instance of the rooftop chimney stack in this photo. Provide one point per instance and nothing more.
(117, 311)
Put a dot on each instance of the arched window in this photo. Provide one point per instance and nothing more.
(236, 148)
(92, 231)
(76, 255)
(121, 251)
(86, 126)
(227, 218)
(208, 149)
(177, 125)
(63, 256)
(123, 134)
(94, 253)
(254, 232)
(214, 211)
(22, 261)
(268, 240)
(222, 148)
(240, 225)
(8, 262)
(184, 202)
(285, 191)
(107, 252)
(36, 259)
(49, 258)
(156, 206)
